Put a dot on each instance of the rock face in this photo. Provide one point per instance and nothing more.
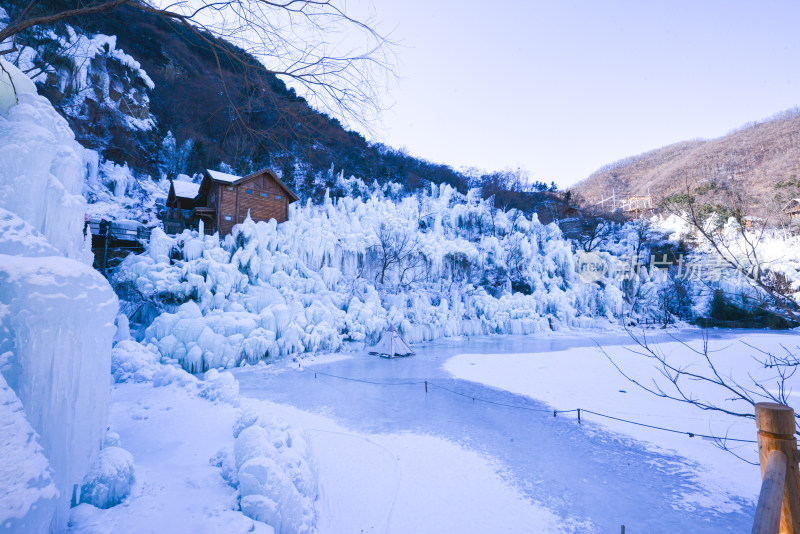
(56, 315)
(101, 90)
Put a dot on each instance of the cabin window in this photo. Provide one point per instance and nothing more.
(228, 217)
(277, 197)
(248, 191)
(229, 188)
(265, 195)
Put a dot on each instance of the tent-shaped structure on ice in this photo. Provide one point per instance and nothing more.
(391, 345)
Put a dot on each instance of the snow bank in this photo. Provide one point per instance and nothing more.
(132, 362)
(57, 313)
(222, 387)
(317, 281)
(269, 463)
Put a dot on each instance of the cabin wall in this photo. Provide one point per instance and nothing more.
(264, 199)
(226, 212)
(261, 196)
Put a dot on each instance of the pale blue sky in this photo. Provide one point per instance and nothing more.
(561, 88)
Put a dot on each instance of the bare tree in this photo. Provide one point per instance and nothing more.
(593, 230)
(740, 397)
(342, 62)
(725, 393)
(737, 246)
(397, 248)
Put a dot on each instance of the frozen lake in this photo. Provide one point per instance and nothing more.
(579, 472)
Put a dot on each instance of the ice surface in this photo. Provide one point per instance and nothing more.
(591, 479)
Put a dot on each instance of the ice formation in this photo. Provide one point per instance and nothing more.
(27, 491)
(110, 479)
(58, 313)
(313, 283)
(43, 168)
(275, 474)
(221, 387)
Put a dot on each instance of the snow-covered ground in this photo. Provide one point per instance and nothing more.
(178, 429)
(409, 482)
(388, 456)
(172, 435)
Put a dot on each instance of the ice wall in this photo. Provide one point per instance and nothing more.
(314, 282)
(56, 312)
(43, 169)
(26, 485)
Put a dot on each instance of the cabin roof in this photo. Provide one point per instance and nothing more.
(219, 176)
(794, 203)
(231, 179)
(185, 189)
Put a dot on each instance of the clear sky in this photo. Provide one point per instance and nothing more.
(564, 87)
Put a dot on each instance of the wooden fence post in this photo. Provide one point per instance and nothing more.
(106, 232)
(776, 432)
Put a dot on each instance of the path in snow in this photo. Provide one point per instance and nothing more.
(581, 473)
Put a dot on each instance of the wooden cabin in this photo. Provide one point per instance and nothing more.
(792, 209)
(181, 202)
(223, 200)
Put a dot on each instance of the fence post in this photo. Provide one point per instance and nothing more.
(776, 432)
(105, 230)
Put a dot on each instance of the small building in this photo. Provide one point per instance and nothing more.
(181, 202)
(223, 200)
(637, 203)
(792, 209)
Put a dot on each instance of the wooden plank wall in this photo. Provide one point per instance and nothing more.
(235, 201)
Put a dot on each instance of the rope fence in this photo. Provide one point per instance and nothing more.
(578, 411)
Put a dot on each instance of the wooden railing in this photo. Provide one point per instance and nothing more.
(778, 508)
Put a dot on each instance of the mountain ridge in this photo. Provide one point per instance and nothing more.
(759, 159)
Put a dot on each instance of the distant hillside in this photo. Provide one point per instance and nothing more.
(252, 121)
(151, 95)
(759, 159)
